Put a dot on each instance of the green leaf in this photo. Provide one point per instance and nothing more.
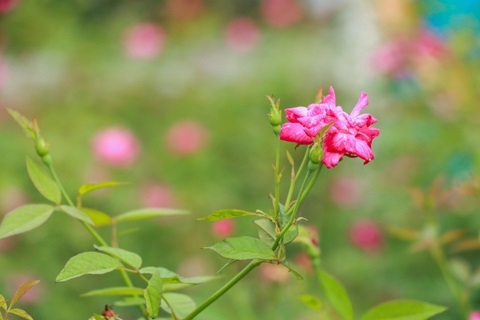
(88, 263)
(293, 271)
(99, 218)
(21, 313)
(266, 230)
(125, 256)
(148, 213)
(403, 310)
(336, 295)
(22, 290)
(86, 188)
(114, 291)
(179, 304)
(3, 302)
(26, 124)
(226, 214)
(153, 295)
(243, 248)
(25, 218)
(311, 301)
(77, 214)
(96, 317)
(130, 301)
(172, 281)
(43, 182)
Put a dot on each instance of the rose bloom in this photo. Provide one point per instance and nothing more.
(223, 228)
(281, 13)
(116, 146)
(242, 34)
(7, 5)
(144, 41)
(349, 135)
(474, 315)
(186, 137)
(366, 235)
(156, 195)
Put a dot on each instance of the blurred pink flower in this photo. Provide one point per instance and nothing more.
(274, 273)
(303, 261)
(223, 228)
(7, 5)
(346, 192)
(11, 198)
(7, 244)
(184, 9)
(474, 315)
(116, 146)
(34, 295)
(145, 40)
(156, 195)
(366, 235)
(281, 13)
(350, 134)
(242, 34)
(186, 137)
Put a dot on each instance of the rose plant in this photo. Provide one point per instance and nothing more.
(328, 134)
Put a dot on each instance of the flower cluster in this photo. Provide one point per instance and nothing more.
(350, 134)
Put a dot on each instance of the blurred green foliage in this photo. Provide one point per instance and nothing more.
(66, 66)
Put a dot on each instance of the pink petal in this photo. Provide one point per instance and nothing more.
(331, 159)
(362, 103)
(294, 132)
(330, 99)
(292, 114)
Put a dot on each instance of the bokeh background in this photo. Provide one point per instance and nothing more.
(170, 97)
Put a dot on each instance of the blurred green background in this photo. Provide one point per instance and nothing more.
(150, 67)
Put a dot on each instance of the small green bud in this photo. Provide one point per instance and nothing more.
(275, 115)
(316, 153)
(42, 147)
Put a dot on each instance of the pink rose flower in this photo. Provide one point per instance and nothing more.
(116, 146)
(350, 134)
(156, 195)
(186, 137)
(474, 315)
(242, 34)
(281, 13)
(223, 228)
(144, 41)
(366, 235)
(7, 5)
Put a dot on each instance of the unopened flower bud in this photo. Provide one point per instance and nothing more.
(42, 147)
(275, 115)
(316, 153)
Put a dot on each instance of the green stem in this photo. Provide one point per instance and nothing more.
(252, 265)
(295, 178)
(276, 204)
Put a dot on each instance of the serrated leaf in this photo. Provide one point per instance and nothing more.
(170, 277)
(179, 304)
(336, 295)
(25, 218)
(243, 248)
(96, 317)
(43, 182)
(148, 213)
(226, 214)
(114, 291)
(89, 187)
(22, 290)
(99, 218)
(77, 214)
(403, 310)
(153, 295)
(266, 230)
(21, 313)
(26, 124)
(125, 256)
(88, 263)
(311, 301)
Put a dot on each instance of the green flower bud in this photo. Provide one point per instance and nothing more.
(42, 147)
(275, 115)
(316, 153)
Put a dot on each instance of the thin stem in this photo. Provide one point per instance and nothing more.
(252, 265)
(295, 178)
(276, 203)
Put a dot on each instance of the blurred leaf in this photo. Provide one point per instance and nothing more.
(114, 291)
(451, 235)
(243, 248)
(86, 188)
(43, 182)
(293, 271)
(96, 317)
(25, 218)
(460, 269)
(226, 214)
(99, 218)
(180, 304)
(22, 290)
(403, 310)
(153, 295)
(26, 124)
(88, 263)
(125, 256)
(404, 233)
(3, 302)
(311, 301)
(77, 214)
(467, 245)
(21, 313)
(336, 295)
(148, 213)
